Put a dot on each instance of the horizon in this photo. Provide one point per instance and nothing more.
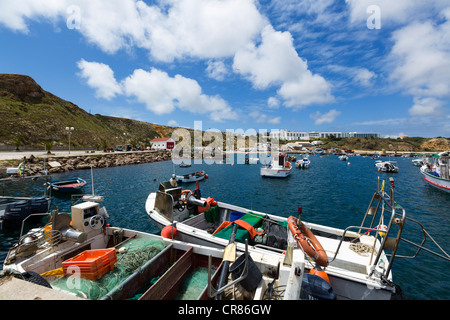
(296, 65)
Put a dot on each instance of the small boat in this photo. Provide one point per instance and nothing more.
(80, 256)
(386, 166)
(14, 210)
(418, 162)
(69, 185)
(184, 165)
(355, 259)
(279, 167)
(303, 163)
(437, 173)
(192, 177)
(292, 158)
(343, 157)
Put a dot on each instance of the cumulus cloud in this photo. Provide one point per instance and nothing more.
(101, 78)
(216, 70)
(162, 94)
(275, 62)
(328, 117)
(264, 118)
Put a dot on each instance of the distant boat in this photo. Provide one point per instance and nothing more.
(279, 167)
(69, 185)
(438, 173)
(418, 162)
(343, 157)
(386, 166)
(192, 177)
(303, 163)
(185, 165)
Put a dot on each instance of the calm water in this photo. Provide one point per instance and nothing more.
(331, 192)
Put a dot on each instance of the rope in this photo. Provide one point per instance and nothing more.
(361, 248)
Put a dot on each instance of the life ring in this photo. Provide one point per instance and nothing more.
(308, 242)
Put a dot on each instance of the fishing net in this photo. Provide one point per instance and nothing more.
(130, 256)
(193, 285)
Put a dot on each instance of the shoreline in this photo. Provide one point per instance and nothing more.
(59, 162)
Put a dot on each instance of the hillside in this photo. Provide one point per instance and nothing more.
(31, 115)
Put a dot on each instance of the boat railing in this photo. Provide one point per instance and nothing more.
(386, 204)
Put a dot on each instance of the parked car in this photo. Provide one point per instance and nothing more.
(119, 148)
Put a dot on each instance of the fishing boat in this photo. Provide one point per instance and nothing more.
(80, 256)
(303, 163)
(343, 157)
(437, 173)
(279, 167)
(355, 259)
(184, 165)
(192, 177)
(418, 162)
(386, 166)
(69, 185)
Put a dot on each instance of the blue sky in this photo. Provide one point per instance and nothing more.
(301, 65)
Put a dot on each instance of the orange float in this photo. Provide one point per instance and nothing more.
(308, 241)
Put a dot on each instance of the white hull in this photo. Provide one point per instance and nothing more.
(439, 183)
(275, 173)
(347, 273)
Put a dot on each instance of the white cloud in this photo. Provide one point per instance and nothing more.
(216, 70)
(163, 94)
(100, 77)
(328, 117)
(172, 123)
(426, 107)
(275, 62)
(273, 103)
(264, 118)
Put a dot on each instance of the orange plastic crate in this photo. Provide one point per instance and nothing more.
(93, 264)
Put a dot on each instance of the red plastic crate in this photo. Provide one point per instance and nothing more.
(93, 264)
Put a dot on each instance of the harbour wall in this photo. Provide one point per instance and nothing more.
(59, 164)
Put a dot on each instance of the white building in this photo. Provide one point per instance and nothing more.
(162, 144)
(288, 135)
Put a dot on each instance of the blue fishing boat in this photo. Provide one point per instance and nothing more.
(69, 185)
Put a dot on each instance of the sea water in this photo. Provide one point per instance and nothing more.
(331, 192)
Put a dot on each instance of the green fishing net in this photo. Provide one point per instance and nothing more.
(138, 251)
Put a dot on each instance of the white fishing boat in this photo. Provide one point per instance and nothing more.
(279, 167)
(80, 256)
(343, 157)
(418, 162)
(355, 259)
(386, 166)
(437, 173)
(192, 177)
(303, 163)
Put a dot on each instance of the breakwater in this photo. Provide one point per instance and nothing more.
(59, 164)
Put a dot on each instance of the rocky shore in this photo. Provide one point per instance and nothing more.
(35, 165)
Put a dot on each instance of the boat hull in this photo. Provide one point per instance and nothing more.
(275, 173)
(439, 183)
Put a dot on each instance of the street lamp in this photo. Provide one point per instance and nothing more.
(69, 130)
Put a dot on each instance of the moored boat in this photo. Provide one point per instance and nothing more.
(437, 173)
(355, 259)
(192, 177)
(279, 167)
(343, 157)
(69, 185)
(386, 166)
(303, 163)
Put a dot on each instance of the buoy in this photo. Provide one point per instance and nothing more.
(206, 176)
(169, 232)
(320, 273)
